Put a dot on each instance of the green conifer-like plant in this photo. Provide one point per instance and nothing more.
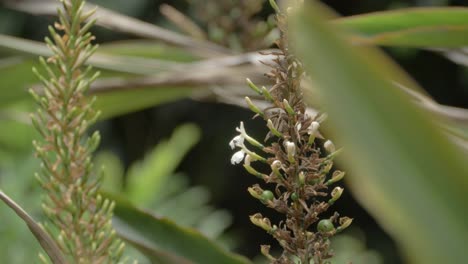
(301, 162)
(78, 218)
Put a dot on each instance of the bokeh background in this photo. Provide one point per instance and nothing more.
(200, 168)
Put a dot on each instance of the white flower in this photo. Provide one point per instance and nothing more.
(313, 128)
(290, 148)
(329, 146)
(237, 157)
(237, 141)
(249, 139)
(241, 129)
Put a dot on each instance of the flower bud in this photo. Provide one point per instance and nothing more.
(301, 178)
(288, 107)
(273, 130)
(329, 146)
(275, 168)
(275, 6)
(290, 150)
(267, 94)
(253, 86)
(253, 107)
(312, 130)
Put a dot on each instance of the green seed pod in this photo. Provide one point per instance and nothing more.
(325, 226)
(267, 196)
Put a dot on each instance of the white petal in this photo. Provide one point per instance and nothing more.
(290, 148)
(329, 146)
(237, 141)
(313, 128)
(237, 157)
(241, 129)
(232, 144)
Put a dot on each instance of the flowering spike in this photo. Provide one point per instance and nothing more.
(299, 168)
(74, 212)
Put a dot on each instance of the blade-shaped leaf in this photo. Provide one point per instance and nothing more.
(47, 243)
(155, 236)
(415, 27)
(403, 169)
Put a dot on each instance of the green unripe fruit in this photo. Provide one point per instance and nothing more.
(325, 226)
(267, 196)
(294, 196)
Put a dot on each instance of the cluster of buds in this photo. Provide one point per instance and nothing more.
(300, 161)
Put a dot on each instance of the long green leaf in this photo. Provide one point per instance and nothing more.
(155, 236)
(47, 243)
(409, 176)
(415, 27)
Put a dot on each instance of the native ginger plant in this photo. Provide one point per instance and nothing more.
(300, 161)
(78, 218)
(386, 145)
